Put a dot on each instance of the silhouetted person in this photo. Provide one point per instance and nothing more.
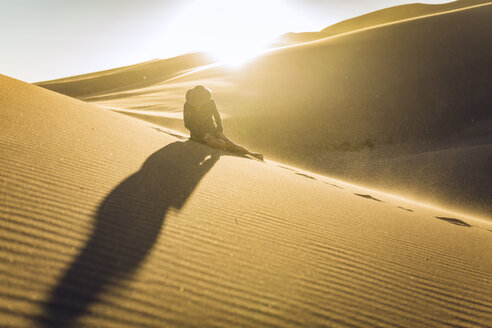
(203, 120)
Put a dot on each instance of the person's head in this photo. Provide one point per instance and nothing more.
(199, 95)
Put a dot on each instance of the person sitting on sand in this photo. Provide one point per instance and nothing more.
(203, 120)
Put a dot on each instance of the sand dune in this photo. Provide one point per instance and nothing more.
(110, 221)
(125, 78)
(371, 107)
(380, 17)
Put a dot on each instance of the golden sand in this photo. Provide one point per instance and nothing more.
(109, 221)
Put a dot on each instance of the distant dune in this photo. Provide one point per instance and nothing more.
(110, 221)
(125, 78)
(405, 107)
(383, 16)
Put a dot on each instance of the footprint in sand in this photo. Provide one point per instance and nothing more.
(453, 221)
(405, 209)
(170, 133)
(333, 185)
(301, 174)
(369, 197)
(305, 175)
(285, 168)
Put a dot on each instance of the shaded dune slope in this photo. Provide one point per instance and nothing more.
(107, 221)
(414, 80)
(363, 106)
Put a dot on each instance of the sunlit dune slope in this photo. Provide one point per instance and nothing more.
(383, 16)
(125, 78)
(404, 106)
(419, 79)
(110, 221)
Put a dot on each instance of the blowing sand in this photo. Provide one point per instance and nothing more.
(403, 107)
(110, 221)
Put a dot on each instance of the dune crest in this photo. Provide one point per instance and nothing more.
(402, 107)
(391, 15)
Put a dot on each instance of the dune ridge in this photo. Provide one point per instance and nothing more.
(379, 107)
(386, 16)
(124, 78)
(110, 221)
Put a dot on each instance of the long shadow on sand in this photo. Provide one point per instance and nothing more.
(127, 224)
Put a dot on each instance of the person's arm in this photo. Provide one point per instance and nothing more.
(218, 120)
(188, 118)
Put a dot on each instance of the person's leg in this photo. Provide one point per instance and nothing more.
(226, 144)
(240, 149)
(216, 143)
(235, 148)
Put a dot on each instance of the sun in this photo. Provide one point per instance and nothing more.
(232, 32)
(235, 51)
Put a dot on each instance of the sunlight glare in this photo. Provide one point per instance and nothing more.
(232, 31)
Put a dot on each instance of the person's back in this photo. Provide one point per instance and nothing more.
(202, 118)
(200, 114)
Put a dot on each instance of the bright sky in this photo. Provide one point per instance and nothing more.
(47, 39)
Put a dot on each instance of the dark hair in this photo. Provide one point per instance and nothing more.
(198, 95)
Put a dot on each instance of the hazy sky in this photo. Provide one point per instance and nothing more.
(47, 39)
